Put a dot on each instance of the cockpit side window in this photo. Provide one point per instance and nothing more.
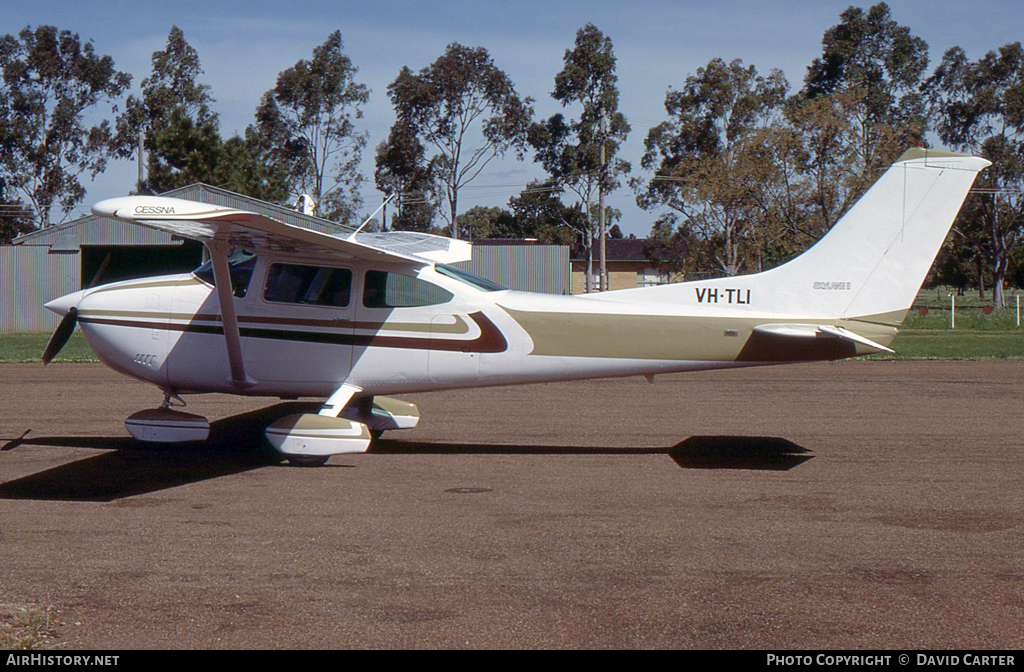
(383, 289)
(240, 264)
(308, 285)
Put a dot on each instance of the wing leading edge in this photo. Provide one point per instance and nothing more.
(240, 228)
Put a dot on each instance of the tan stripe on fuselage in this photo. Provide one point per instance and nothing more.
(662, 337)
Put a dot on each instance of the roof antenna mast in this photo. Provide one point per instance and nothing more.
(379, 208)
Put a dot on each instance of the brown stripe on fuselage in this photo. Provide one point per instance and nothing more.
(490, 339)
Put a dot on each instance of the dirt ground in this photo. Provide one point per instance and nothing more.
(853, 505)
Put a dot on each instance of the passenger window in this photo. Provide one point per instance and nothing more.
(394, 290)
(308, 285)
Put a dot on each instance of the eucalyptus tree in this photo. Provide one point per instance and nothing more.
(403, 171)
(707, 162)
(537, 212)
(466, 112)
(308, 123)
(580, 154)
(51, 82)
(15, 218)
(860, 108)
(482, 221)
(978, 107)
(173, 114)
(181, 132)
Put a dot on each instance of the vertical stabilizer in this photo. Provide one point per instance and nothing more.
(883, 247)
(871, 264)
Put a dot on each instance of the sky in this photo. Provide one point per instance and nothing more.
(243, 46)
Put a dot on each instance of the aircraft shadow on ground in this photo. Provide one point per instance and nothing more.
(696, 452)
(128, 467)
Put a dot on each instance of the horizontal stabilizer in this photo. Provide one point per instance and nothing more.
(856, 338)
(808, 331)
(795, 342)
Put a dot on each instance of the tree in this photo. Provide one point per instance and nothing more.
(860, 108)
(15, 218)
(245, 165)
(182, 135)
(668, 248)
(308, 123)
(579, 155)
(753, 177)
(979, 108)
(483, 221)
(402, 170)
(180, 130)
(447, 103)
(708, 161)
(50, 81)
(538, 213)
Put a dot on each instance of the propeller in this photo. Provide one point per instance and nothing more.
(61, 334)
(67, 323)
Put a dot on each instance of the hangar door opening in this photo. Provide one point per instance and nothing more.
(114, 263)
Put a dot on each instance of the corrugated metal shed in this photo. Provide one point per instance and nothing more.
(30, 276)
(524, 268)
(92, 230)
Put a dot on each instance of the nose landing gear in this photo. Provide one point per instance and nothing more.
(166, 425)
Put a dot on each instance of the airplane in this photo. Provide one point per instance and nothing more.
(282, 311)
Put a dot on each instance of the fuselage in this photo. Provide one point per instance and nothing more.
(307, 325)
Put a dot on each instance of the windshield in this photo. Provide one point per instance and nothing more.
(474, 281)
(240, 263)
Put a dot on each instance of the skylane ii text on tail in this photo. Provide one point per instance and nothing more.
(285, 311)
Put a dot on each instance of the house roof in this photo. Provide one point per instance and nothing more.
(617, 249)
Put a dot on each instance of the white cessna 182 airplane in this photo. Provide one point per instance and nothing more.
(287, 312)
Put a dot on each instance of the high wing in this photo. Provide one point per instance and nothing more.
(239, 228)
(221, 228)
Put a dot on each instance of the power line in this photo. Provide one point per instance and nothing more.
(1004, 192)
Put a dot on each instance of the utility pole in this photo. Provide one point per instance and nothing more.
(600, 207)
(142, 163)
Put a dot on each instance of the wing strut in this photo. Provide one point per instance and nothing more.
(337, 401)
(222, 279)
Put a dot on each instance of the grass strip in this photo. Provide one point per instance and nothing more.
(961, 344)
(18, 347)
